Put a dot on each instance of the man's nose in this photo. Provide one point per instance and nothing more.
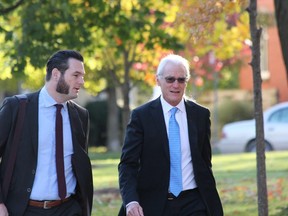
(82, 81)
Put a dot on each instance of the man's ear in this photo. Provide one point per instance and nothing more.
(55, 74)
(157, 80)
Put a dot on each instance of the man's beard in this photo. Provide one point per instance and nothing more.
(62, 86)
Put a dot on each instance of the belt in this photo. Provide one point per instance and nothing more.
(171, 196)
(48, 203)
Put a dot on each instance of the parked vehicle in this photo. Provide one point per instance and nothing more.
(240, 136)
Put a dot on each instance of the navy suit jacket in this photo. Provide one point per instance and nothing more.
(26, 159)
(145, 164)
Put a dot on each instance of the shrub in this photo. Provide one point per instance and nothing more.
(230, 111)
(98, 122)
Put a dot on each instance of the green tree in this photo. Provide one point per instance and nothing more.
(131, 32)
(112, 35)
(32, 31)
(200, 22)
(219, 28)
(7, 6)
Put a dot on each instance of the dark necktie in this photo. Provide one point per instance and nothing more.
(59, 153)
(175, 154)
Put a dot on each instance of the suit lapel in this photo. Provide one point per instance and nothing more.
(192, 129)
(32, 111)
(158, 116)
(76, 126)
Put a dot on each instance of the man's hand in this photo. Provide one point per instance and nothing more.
(134, 209)
(3, 210)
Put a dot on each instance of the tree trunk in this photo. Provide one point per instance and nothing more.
(258, 112)
(113, 143)
(126, 109)
(126, 91)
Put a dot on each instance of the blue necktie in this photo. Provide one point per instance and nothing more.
(175, 155)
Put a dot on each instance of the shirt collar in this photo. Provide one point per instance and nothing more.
(167, 107)
(49, 101)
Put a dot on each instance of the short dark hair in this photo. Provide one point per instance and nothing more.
(59, 60)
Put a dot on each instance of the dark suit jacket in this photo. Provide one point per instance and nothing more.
(145, 164)
(26, 160)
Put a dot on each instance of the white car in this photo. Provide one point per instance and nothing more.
(240, 136)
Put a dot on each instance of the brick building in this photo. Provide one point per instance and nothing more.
(272, 64)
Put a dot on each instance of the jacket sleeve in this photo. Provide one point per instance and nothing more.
(129, 162)
(8, 113)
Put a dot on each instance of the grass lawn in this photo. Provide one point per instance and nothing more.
(236, 182)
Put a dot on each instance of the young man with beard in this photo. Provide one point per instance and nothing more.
(34, 188)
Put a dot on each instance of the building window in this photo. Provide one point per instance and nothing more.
(265, 73)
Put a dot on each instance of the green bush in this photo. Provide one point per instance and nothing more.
(231, 110)
(98, 113)
(98, 122)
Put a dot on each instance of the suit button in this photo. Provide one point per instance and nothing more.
(28, 190)
(33, 172)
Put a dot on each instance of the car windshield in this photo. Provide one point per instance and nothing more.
(280, 116)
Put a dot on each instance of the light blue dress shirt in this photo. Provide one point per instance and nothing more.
(45, 183)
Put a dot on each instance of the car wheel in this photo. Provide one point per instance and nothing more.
(251, 147)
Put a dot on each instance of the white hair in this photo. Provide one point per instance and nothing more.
(176, 59)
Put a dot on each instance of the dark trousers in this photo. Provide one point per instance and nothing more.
(69, 208)
(188, 203)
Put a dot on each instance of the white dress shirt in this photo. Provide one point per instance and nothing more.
(45, 185)
(188, 178)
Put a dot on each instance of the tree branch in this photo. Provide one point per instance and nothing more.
(9, 9)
